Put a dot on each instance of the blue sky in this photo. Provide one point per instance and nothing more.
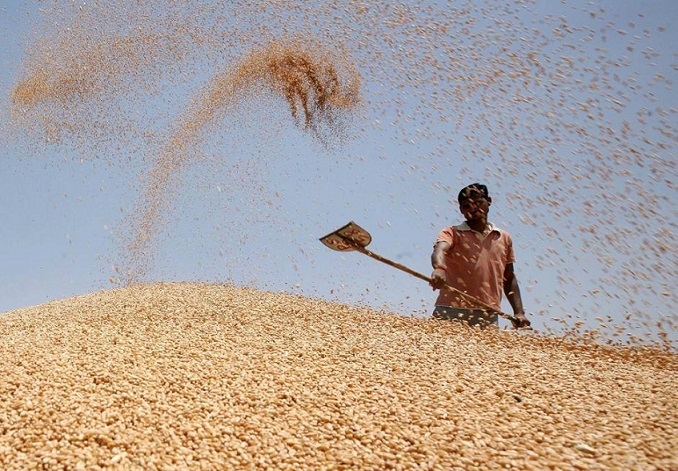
(565, 110)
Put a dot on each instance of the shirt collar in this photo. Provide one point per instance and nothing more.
(465, 227)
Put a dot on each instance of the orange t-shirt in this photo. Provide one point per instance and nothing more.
(475, 265)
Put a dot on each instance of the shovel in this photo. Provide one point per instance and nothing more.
(353, 237)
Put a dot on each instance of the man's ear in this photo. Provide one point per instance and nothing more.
(489, 201)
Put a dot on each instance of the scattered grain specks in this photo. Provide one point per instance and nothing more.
(209, 376)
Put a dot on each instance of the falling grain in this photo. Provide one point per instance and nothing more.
(312, 80)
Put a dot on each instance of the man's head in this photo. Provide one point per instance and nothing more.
(474, 202)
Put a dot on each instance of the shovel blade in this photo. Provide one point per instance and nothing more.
(347, 238)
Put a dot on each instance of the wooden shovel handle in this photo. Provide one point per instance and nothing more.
(485, 306)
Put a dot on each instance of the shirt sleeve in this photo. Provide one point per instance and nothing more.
(446, 235)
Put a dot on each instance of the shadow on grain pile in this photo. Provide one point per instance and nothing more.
(188, 375)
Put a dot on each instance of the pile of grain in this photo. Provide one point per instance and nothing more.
(202, 376)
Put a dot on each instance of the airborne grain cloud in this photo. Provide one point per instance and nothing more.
(316, 87)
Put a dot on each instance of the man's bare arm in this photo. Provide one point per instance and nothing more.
(512, 291)
(439, 275)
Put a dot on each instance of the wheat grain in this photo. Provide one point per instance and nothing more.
(196, 376)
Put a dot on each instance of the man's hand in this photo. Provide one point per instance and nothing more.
(438, 278)
(521, 322)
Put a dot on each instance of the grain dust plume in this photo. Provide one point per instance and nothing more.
(77, 92)
(321, 88)
(92, 68)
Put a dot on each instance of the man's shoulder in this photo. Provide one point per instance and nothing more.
(503, 234)
(500, 230)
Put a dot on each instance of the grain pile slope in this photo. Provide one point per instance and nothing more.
(202, 376)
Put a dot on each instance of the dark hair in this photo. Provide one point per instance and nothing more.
(473, 190)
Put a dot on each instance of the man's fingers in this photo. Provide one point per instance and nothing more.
(436, 282)
(521, 324)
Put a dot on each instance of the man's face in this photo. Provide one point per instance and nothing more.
(475, 208)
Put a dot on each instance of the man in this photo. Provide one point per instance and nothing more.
(476, 258)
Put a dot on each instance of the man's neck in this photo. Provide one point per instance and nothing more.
(478, 225)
